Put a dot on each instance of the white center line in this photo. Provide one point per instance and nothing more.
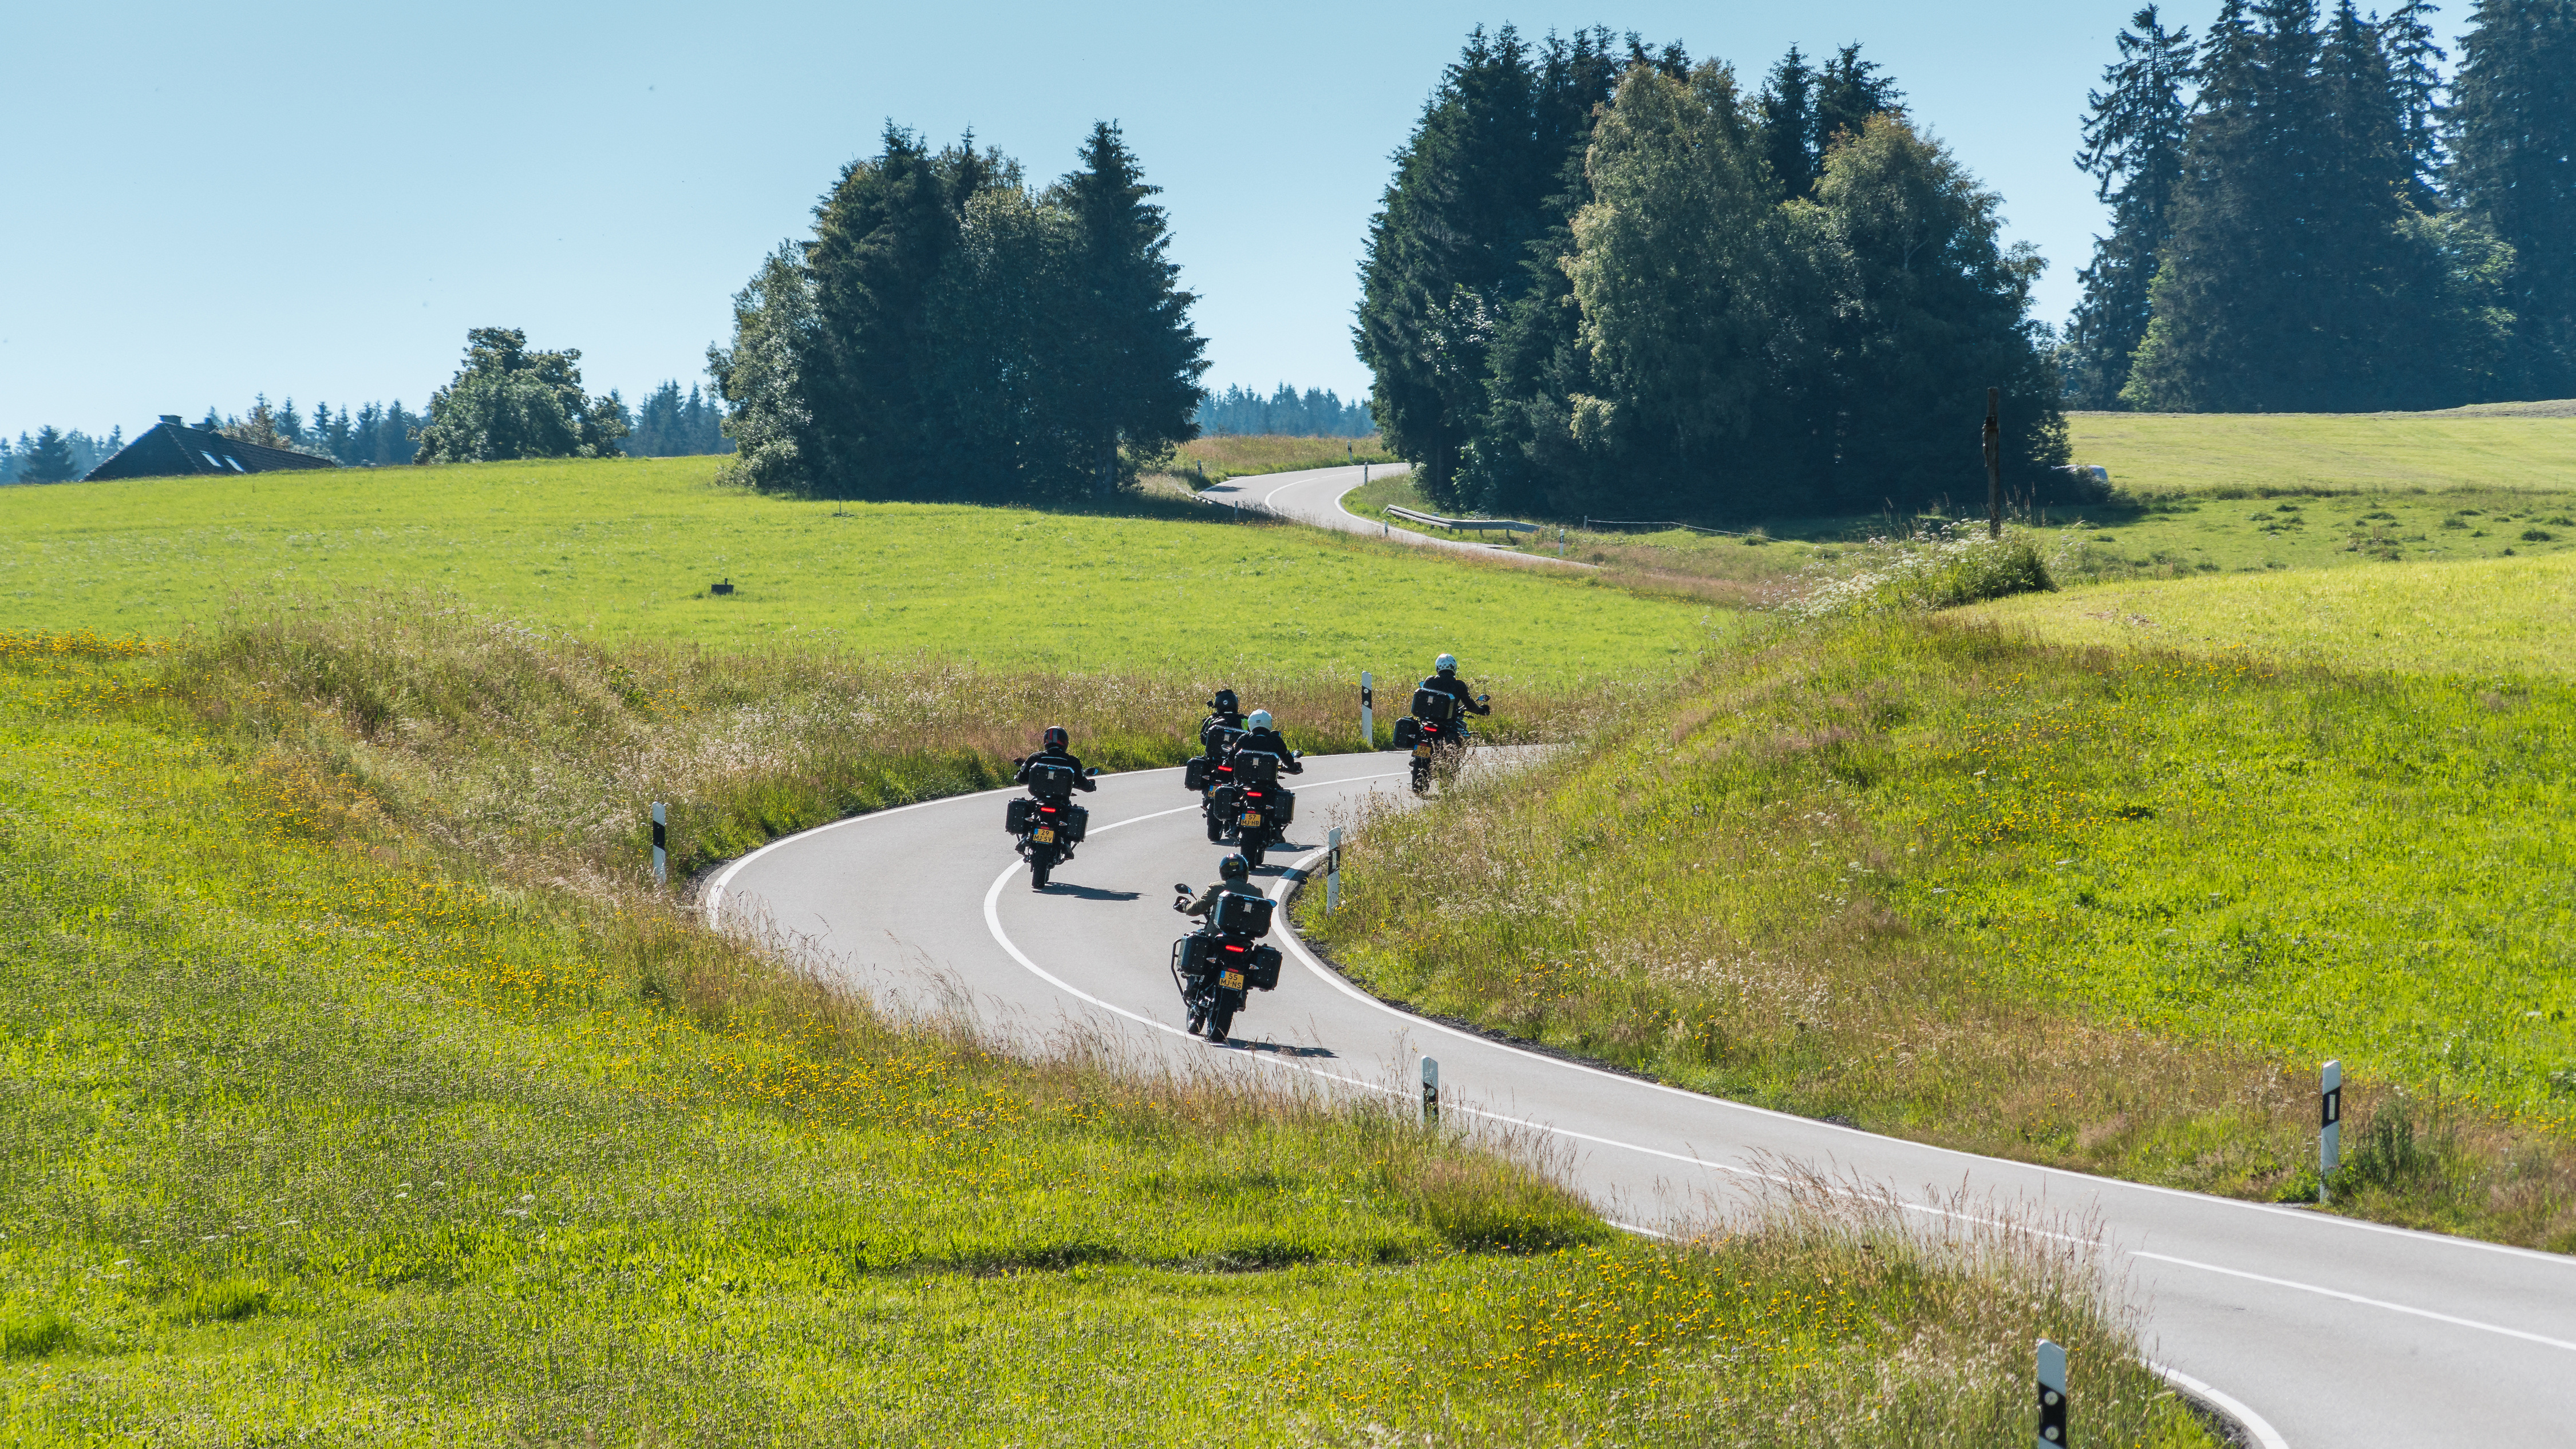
(2366, 1302)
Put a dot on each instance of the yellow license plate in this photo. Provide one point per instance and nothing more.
(1422, 752)
(1252, 817)
(1231, 981)
(1043, 835)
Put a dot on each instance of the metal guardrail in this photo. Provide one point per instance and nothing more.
(1461, 525)
(1590, 523)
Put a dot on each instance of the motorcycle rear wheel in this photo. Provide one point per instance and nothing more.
(1220, 1021)
(1038, 868)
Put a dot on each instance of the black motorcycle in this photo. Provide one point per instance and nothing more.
(1211, 775)
(1222, 963)
(1049, 825)
(1435, 744)
(1257, 806)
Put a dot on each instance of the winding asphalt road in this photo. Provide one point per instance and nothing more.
(1315, 496)
(2312, 1330)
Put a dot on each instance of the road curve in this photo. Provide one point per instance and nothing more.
(1315, 496)
(2319, 1331)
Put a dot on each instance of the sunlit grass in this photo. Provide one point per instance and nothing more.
(2262, 454)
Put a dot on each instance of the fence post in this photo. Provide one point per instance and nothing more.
(1368, 711)
(2329, 1123)
(1430, 1093)
(1994, 463)
(2052, 1396)
(1333, 871)
(661, 857)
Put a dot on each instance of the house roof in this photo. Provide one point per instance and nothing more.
(172, 449)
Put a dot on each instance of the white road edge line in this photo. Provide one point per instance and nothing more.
(2357, 1298)
(2265, 1436)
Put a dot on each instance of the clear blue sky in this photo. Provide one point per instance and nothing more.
(204, 202)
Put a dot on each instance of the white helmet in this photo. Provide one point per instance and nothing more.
(1259, 719)
(1446, 664)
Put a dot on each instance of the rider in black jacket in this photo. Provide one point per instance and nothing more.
(1224, 713)
(1055, 753)
(1445, 680)
(1259, 736)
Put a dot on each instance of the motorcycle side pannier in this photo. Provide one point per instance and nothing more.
(1431, 704)
(1408, 733)
(1264, 975)
(1283, 807)
(1244, 915)
(1194, 775)
(1015, 819)
(1074, 820)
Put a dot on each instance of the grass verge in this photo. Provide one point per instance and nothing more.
(2099, 909)
(1214, 459)
(314, 1135)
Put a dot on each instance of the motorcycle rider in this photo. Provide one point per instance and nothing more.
(1056, 752)
(1225, 712)
(1234, 878)
(1444, 680)
(1258, 735)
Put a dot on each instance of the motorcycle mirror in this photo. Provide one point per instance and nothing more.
(1296, 754)
(1184, 890)
(1094, 770)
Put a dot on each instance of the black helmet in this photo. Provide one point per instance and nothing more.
(1224, 702)
(1056, 738)
(1234, 867)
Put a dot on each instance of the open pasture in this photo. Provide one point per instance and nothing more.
(2525, 447)
(626, 550)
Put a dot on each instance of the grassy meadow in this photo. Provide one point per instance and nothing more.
(2510, 448)
(321, 1129)
(1215, 459)
(625, 550)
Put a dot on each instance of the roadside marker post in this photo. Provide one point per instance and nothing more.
(661, 856)
(1430, 1093)
(2052, 1396)
(1368, 710)
(1333, 871)
(1994, 462)
(2329, 1123)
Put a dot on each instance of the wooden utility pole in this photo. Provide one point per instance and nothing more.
(1994, 462)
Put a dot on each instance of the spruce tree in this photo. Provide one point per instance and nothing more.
(1787, 107)
(2512, 134)
(49, 458)
(2415, 71)
(868, 427)
(2133, 148)
(1134, 378)
(1447, 253)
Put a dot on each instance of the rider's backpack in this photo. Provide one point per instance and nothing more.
(1242, 915)
(1433, 704)
(1408, 733)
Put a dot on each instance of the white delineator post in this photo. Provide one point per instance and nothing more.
(2052, 1396)
(2329, 1123)
(661, 857)
(1333, 871)
(1430, 1093)
(1368, 710)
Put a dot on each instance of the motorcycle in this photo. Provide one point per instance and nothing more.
(1257, 805)
(1435, 744)
(1049, 825)
(1211, 775)
(1220, 965)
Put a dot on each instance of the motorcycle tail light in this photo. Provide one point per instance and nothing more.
(1236, 949)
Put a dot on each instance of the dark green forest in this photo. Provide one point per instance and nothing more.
(2305, 217)
(1608, 278)
(951, 331)
(1314, 413)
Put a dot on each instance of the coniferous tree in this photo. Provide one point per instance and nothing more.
(2512, 135)
(773, 317)
(49, 459)
(2415, 70)
(1447, 253)
(1135, 364)
(509, 402)
(2133, 148)
(1788, 110)
(881, 238)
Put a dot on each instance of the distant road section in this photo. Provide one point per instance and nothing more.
(1315, 496)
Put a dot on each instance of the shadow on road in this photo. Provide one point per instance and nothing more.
(1089, 893)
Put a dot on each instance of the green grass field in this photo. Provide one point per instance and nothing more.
(316, 1134)
(625, 550)
(1215, 459)
(2518, 448)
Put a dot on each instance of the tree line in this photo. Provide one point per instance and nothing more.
(54, 456)
(2306, 217)
(1605, 278)
(1315, 413)
(952, 331)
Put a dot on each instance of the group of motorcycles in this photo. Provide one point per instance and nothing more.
(1236, 776)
